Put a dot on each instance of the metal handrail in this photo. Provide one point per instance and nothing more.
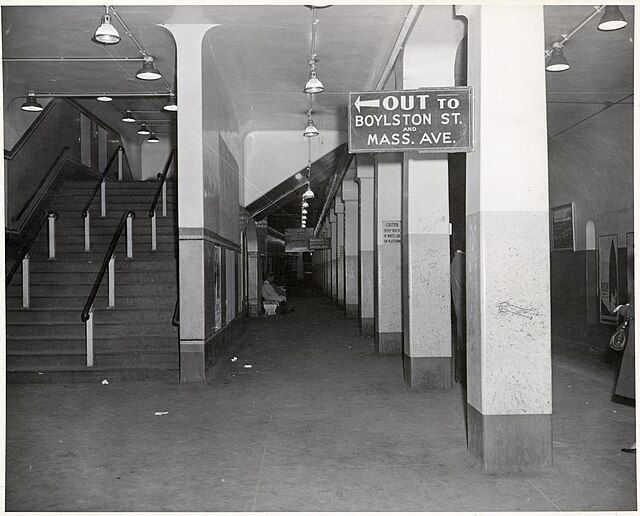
(105, 264)
(102, 180)
(63, 154)
(27, 247)
(10, 154)
(161, 177)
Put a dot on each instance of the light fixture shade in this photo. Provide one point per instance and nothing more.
(153, 138)
(143, 129)
(612, 19)
(305, 204)
(308, 194)
(304, 211)
(304, 217)
(128, 117)
(171, 104)
(148, 72)
(303, 225)
(31, 104)
(104, 98)
(557, 62)
(313, 84)
(310, 130)
(106, 33)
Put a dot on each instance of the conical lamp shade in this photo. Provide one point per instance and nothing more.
(31, 104)
(310, 130)
(148, 72)
(128, 117)
(153, 138)
(557, 62)
(313, 84)
(171, 104)
(143, 129)
(612, 19)
(106, 33)
(308, 194)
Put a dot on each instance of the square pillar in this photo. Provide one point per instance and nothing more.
(365, 179)
(196, 254)
(507, 241)
(333, 263)
(387, 266)
(351, 266)
(339, 211)
(429, 58)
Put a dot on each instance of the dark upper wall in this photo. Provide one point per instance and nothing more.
(591, 165)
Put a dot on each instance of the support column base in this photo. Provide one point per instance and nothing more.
(510, 443)
(192, 361)
(254, 310)
(388, 343)
(427, 373)
(351, 311)
(367, 326)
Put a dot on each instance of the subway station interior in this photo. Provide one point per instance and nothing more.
(445, 195)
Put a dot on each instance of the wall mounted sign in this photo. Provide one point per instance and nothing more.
(428, 120)
(296, 240)
(563, 229)
(391, 232)
(608, 278)
(320, 243)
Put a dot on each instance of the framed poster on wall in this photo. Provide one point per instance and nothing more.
(563, 228)
(608, 278)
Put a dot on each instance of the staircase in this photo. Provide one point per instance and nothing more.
(134, 340)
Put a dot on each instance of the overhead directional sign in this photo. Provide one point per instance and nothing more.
(428, 120)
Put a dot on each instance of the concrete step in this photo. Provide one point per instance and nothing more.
(78, 358)
(165, 341)
(116, 315)
(123, 277)
(95, 374)
(101, 324)
(76, 302)
(91, 266)
(123, 291)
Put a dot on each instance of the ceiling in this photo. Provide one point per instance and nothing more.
(262, 54)
(601, 72)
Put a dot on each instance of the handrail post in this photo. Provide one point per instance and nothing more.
(89, 334)
(112, 281)
(52, 235)
(120, 149)
(103, 198)
(87, 237)
(154, 239)
(164, 199)
(25, 281)
(129, 236)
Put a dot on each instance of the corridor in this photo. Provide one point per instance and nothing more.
(319, 422)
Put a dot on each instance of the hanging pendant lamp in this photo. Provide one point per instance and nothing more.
(128, 117)
(557, 62)
(612, 19)
(171, 104)
(310, 130)
(31, 104)
(106, 33)
(143, 129)
(153, 138)
(148, 72)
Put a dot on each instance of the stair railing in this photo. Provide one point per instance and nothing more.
(162, 189)
(102, 186)
(23, 256)
(108, 263)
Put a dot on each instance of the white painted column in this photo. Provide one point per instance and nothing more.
(365, 179)
(387, 266)
(339, 211)
(351, 266)
(507, 233)
(191, 223)
(428, 60)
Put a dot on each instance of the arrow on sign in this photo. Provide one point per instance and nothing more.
(366, 103)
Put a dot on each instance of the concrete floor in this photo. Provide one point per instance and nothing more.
(319, 423)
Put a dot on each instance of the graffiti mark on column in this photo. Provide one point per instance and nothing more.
(507, 308)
